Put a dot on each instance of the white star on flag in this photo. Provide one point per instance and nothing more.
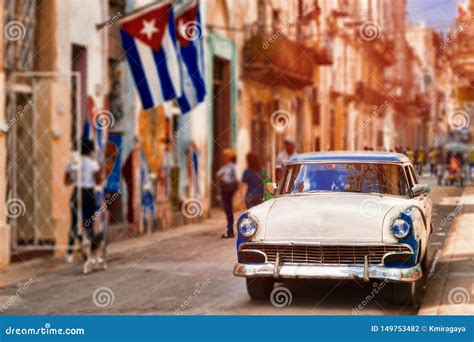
(149, 28)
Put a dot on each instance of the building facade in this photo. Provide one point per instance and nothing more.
(334, 75)
(57, 79)
(4, 228)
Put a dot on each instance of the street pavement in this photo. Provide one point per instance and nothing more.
(188, 270)
(451, 291)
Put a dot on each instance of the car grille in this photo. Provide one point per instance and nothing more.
(325, 254)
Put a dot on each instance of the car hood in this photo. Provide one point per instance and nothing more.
(328, 217)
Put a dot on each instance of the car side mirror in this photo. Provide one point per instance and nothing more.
(420, 189)
(271, 188)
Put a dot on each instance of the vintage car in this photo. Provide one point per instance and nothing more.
(339, 215)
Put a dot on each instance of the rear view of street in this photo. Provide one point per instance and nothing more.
(189, 271)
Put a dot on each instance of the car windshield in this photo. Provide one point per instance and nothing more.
(344, 177)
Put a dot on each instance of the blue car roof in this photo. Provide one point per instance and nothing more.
(382, 157)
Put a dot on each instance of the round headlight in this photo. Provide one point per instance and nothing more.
(247, 227)
(400, 228)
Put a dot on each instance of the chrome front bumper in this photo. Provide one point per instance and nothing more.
(294, 271)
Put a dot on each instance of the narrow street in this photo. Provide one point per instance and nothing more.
(157, 279)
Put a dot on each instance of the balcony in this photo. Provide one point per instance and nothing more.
(383, 48)
(369, 96)
(411, 105)
(276, 60)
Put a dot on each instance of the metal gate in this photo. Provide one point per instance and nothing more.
(29, 140)
(29, 129)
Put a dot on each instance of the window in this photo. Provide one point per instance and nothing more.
(344, 177)
(409, 176)
(414, 175)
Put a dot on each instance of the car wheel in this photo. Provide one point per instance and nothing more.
(260, 288)
(410, 293)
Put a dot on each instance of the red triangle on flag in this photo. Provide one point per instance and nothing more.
(148, 26)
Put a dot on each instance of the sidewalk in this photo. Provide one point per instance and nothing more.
(22, 271)
(450, 289)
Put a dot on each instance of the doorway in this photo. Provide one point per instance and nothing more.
(221, 116)
(78, 64)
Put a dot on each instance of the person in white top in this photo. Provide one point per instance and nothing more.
(284, 155)
(90, 175)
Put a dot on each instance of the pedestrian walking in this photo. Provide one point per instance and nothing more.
(455, 166)
(252, 181)
(90, 177)
(227, 176)
(440, 165)
(411, 155)
(433, 159)
(420, 160)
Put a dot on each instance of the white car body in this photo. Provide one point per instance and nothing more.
(312, 235)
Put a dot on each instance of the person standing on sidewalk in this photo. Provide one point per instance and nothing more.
(91, 175)
(420, 160)
(440, 164)
(227, 176)
(433, 158)
(252, 179)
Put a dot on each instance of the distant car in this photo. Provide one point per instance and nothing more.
(340, 215)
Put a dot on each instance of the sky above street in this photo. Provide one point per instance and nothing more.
(436, 13)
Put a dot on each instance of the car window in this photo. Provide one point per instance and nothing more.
(414, 175)
(409, 175)
(344, 177)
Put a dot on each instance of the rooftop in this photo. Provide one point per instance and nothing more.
(361, 156)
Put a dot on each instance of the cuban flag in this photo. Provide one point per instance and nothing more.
(189, 33)
(149, 41)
